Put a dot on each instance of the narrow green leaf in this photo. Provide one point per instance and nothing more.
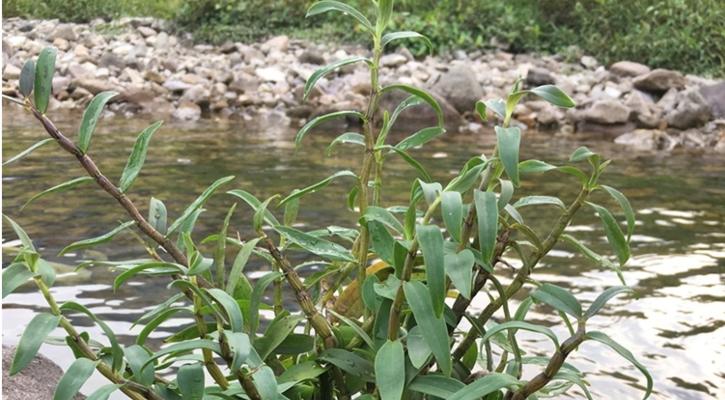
(433, 328)
(355, 327)
(14, 276)
(106, 237)
(614, 233)
(317, 75)
(304, 371)
(152, 268)
(24, 238)
(27, 151)
(253, 202)
(468, 176)
(393, 36)
(199, 202)
(297, 193)
(382, 241)
(420, 138)
(103, 392)
(44, 71)
(240, 261)
(425, 96)
(33, 336)
(558, 298)
(487, 215)
(581, 153)
(521, 325)
(157, 215)
(452, 211)
(626, 207)
(390, 370)
(497, 106)
(67, 185)
(459, 267)
(90, 118)
(324, 118)
(385, 12)
(603, 338)
(535, 166)
(240, 346)
(321, 247)
(507, 192)
(276, 333)
(347, 137)
(137, 357)
(260, 213)
(72, 380)
(480, 108)
(230, 306)
(348, 362)
(259, 287)
(116, 350)
(383, 216)
(27, 78)
(184, 347)
(539, 200)
(190, 379)
(508, 141)
(604, 297)
(156, 320)
(436, 385)
(431, 244)
(138, 156)
(422, 173)
(591, 255)
(418, 349)
(490, 383)
(553, 95)
(329, 5)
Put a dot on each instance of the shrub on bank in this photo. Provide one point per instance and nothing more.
(370, 319)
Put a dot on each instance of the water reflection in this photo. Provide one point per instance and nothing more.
(675, 326)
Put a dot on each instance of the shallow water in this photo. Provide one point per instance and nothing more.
(675, 327)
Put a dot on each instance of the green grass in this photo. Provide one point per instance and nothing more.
(687, 35)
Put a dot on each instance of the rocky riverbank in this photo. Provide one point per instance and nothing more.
(167, 76)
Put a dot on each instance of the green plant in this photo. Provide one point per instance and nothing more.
(376, 324)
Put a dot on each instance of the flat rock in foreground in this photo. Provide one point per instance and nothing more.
(36, 382)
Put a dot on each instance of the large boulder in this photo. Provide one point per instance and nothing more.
(607, 112)
(646, 139)
(692, 110)
(645, 112)
(714, 95)
(628, 68)
(659, 81)
(459, 87)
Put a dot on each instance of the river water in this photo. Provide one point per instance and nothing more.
(675, 326)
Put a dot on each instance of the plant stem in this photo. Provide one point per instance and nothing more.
(524, 272)
(129, 388)
(555, 363)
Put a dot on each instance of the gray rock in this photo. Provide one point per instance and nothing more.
(176, 85)
(589, 62)
(198, 94)
(539, 76)
(36, 381)
(692, 110)
(628, 68)
(278, 43)
(11, 72)
(714, 95)
(110, 59)
(187, 111)
(645, 112)
(311, 57)
(93, 85)
(272, 74)
(64, 31)
(137, 94)
(607, 112)
(459, 87)
(145, 31)
(393, 60)
(659, 81)
(646, 139)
